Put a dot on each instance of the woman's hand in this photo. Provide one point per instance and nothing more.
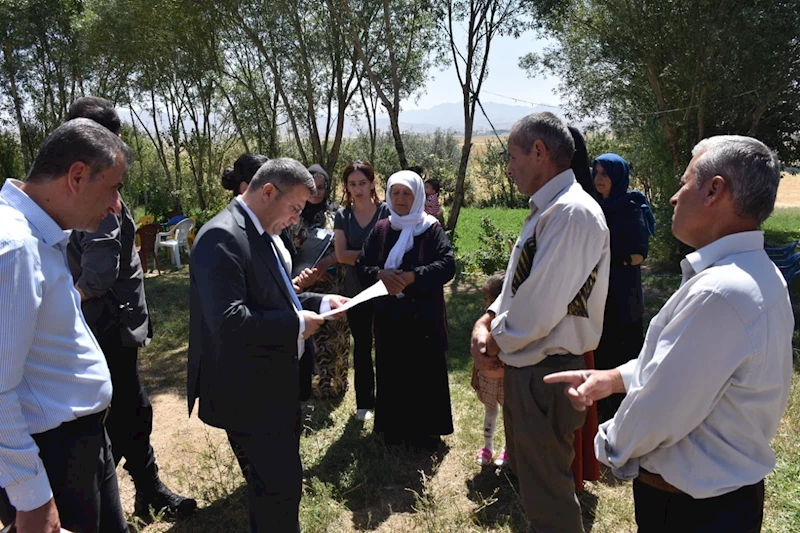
(305, 279)
(393, 280)
(409, 277)
(327, 261)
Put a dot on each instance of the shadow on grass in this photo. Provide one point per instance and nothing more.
(499, 503)
(227, 514)
(374, 480)
(163, 363)
(498, 500)
(317, 415)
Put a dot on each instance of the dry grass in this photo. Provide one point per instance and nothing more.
(354, 483)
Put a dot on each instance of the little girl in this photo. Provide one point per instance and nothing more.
(432, 205)
(489, 386)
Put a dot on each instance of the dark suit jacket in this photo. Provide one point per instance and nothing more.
(106, 267)
(242, 329)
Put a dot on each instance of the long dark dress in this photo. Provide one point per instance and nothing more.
(623, 335)
(413, 394)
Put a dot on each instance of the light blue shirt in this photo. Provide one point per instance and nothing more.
(706, 395)
(51, 368)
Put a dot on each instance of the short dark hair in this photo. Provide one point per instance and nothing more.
(417, 170)
(242, 171)
(494, 283)
(284, 173)
(547, 128)
(98, 109)
(434, 183)
(78, 140)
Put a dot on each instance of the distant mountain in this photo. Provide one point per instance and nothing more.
(451, 116)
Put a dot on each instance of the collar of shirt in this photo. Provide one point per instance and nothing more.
(549, 190)
(49, 231)
(699, 260)
(253, 217)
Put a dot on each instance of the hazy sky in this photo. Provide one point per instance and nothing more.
(505, 78)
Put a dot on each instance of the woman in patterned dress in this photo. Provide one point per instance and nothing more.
(332, 339)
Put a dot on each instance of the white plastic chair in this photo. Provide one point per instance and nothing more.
(176, 239)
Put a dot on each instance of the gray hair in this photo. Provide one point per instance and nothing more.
(751, 171)
(284, 173)
(547, 128)
(78, 140)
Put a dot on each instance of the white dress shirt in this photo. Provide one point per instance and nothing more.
(51, 368)
(572, 239)
(706, 395)
(285, 258)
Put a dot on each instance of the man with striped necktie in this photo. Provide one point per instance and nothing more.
(549, 313)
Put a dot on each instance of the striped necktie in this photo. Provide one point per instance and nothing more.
(523, 270)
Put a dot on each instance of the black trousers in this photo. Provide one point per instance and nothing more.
(130, 421)
(657, 511)
(271, 465)
(360, 320)
(77, 458)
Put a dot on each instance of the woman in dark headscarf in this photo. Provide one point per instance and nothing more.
(628, 216)
(332, 339)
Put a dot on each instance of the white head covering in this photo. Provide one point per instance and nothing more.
(414, 223)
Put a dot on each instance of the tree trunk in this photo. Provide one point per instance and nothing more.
(458, 197)
(27, 149)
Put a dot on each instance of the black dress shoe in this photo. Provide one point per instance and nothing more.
(161, 498)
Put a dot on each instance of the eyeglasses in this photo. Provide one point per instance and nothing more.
(297, 210)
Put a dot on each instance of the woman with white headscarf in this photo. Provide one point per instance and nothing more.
(411, 254)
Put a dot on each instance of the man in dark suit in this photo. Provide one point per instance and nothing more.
(109, 277)
(247, 332)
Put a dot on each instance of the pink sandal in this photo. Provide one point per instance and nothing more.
(502, 458)
(484, 456)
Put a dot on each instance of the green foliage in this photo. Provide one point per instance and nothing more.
(482, 236)
(493, 253)
(692, 69)
(11, 164)
(491, 167)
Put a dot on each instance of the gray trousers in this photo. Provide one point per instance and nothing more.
(540, 423)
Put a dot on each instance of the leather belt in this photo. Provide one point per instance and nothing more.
(657, 482)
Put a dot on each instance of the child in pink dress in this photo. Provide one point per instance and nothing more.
(489, 386)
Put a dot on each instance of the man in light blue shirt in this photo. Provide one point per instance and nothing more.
(56, 467)
(707, 393)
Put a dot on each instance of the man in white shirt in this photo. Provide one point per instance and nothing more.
(708, 390)
(548, 314)
(56, 467)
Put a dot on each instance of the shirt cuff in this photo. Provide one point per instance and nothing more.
(602, 446)
(325, 306)
(626, 371)
(301, 342)
(30, 494)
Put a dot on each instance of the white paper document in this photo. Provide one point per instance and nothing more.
(376, 290)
